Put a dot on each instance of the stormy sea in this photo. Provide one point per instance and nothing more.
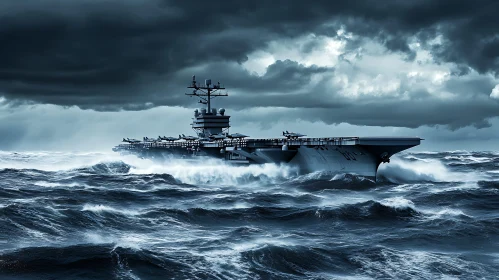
(430, 215)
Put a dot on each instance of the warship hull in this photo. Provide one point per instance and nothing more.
(337, 155)
(350, 155)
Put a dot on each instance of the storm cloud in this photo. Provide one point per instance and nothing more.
(389, 63)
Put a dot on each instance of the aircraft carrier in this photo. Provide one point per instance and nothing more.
(338, 155)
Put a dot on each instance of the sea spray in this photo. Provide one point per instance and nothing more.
(72, 214)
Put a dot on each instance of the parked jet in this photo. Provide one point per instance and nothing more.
(219, 136)
(150, 140)
(188, 138)
(292, 135)
(131, 141)
(171, 139)
(237, 136)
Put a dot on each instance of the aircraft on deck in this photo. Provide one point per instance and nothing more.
(219, 136)
(131, 141)
(237, 136)
(292, 135)
(334, 155)
(150, 140)
(168, 138)
(188, 138)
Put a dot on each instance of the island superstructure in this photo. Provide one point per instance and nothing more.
(355, 155)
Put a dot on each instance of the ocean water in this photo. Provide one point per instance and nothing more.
(431, 215)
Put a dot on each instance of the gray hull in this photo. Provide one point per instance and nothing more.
(354, 155)
(357, 155)
(336, 160)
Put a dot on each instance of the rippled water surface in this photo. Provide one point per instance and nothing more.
(100, 216)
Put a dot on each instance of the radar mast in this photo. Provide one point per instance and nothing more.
(207, 91)
(208, 122)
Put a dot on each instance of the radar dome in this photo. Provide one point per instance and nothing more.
(221, 111)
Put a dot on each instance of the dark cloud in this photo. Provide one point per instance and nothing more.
(411, 114)
(424, 110)
(281, 76)
(133, 55)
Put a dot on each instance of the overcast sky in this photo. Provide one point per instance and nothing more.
(82, 74)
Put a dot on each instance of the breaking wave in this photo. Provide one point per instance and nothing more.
(402, 170)
(99, 216)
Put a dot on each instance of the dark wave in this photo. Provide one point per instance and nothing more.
(97, 262)
(485, 198)
(399, 175)
(106, 168)
(428, 215)
(298, 262)
(369, 211)
(323, 181)
(489, 184)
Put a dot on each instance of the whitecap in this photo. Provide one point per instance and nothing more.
(398, 203)
(395, 264)
(104, 208)
(445, 212)
(55, 184)
(54, 161)
(426, 152)
(214, 172)
(401, 171)
(469, 159)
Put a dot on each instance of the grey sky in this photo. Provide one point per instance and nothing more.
(111, 69)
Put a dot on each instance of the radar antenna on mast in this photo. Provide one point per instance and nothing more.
(207, 92)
